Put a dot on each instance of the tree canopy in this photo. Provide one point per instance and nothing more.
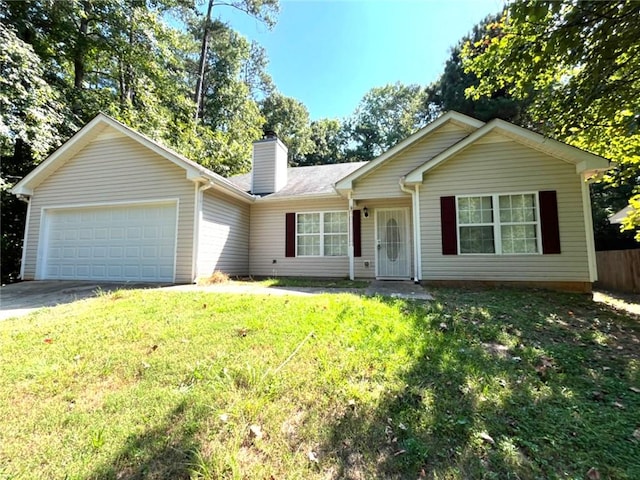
(577, 64)
(384, 116)
(289, 118)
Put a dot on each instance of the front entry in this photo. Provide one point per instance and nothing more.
(392, 243)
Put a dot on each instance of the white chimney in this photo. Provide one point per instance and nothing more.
(269, 169)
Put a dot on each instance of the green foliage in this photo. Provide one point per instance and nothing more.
(31, 111)
(329, 142)
(578, 65)
(385, 116)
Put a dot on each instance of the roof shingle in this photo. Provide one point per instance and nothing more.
(314, 180)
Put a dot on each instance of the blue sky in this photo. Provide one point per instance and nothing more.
(328, 54)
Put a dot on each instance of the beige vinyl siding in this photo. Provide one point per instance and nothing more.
(112, 169)
(267, 241)
(383, 182)
(504, 167)
(224, 235)
(368, 235)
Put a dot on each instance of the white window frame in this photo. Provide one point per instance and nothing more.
(322, 234)
(497, 232)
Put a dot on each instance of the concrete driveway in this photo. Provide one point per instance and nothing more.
(18, 299)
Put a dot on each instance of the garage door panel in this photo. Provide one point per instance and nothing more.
(135, 242)
(98, 271)
(134, 233)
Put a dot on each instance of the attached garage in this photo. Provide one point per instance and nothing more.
(134, 242)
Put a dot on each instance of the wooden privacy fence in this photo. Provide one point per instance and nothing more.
(619, 270)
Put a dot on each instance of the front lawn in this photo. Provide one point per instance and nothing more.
(478, 384)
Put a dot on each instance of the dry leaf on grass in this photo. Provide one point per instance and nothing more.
(255, 431)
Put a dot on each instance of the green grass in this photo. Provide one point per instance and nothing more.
(478, 384)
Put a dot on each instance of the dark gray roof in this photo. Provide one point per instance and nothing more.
(314, 180)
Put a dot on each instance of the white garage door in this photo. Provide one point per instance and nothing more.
(119, 243)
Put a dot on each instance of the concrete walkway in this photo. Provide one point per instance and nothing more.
(22, 298)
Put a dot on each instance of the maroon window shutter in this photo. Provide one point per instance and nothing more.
(448, 225)
(290, 234)
(357, 250)
(549, 225)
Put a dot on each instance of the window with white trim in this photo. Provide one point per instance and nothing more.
(322, 234)
(500, 224)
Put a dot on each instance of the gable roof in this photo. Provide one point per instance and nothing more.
(310, 181)
(453, 117)
(585, 162)
(95, 127)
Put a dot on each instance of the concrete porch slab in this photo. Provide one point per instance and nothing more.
(404, 289)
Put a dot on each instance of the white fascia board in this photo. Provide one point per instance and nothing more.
(346, 183)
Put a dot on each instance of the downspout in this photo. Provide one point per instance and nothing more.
(351, 259)
(416, 230)
(25, 235)
(588, 223)
(197, 218)
(418, 234)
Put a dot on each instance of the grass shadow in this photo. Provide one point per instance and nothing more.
(162, 451)
(526, 385)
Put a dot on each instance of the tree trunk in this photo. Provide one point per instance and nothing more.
(79, 54)
(203, 61)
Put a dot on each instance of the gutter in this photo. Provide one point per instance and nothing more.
(223, 184)
(415, 211)
(311, 196)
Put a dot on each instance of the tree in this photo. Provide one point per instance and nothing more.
(329, 143)
(31, 114)
(230, 116)
(578, 63)
(385, 116)
(289, 118)
(262, 10)
(448, 92)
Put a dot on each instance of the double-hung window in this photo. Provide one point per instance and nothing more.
(502, 224)
(322, 234)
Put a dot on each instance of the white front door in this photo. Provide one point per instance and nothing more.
(392, 243)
